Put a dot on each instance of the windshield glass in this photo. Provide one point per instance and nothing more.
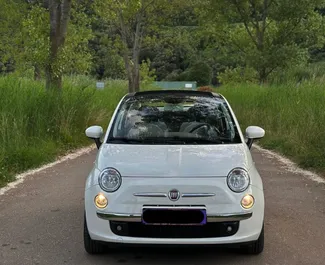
(173, 119)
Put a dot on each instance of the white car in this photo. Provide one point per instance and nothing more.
(174, 168)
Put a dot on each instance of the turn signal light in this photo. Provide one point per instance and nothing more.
(247, 201)
(101, 201)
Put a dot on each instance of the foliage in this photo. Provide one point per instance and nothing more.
(11, 12)
(147, 76)
(269, 34)
(36, 39)
(134, 21)
(173, 53)
(107, 60)
(297, 74)
(74, 57)
(111, 39)
(200, 72)
(238, 75)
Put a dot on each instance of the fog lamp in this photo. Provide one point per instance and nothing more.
(247, 201)
(100, 201)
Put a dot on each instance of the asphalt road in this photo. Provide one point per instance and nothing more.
(41, 222)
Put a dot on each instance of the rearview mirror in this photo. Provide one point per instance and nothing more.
(254, 133)
(95, 133)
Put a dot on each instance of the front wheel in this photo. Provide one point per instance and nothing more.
(256, 247)
(91, 246)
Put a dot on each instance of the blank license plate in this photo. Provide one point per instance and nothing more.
(174, 217)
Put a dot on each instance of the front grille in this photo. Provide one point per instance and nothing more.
(208, 230)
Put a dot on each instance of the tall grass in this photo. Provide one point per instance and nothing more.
(37, 125)
(293, 117)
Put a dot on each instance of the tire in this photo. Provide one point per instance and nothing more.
(91, 246)
(257, 247)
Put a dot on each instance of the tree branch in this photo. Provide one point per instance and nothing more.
(256, 23)
(149, 4)
(245, 22)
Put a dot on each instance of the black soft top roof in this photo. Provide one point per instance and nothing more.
(176, 93)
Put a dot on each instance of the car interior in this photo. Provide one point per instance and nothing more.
(200, 120)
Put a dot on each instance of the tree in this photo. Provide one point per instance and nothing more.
(35, 52)
(135, 22)
(59, 18)
(267, 34)
(200, 72)
(11, 12)
(35, 37)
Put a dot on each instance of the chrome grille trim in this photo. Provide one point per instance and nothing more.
(151, 194)
(197, 195)
(119, 217)
(164, 195)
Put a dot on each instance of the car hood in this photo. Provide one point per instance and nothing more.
(173, 160)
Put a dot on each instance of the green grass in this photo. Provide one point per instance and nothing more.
(36, 126)
(293, 117)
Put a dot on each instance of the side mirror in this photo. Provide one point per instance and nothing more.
(254, 133)
(95, 133)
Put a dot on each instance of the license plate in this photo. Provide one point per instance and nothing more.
(167, 216)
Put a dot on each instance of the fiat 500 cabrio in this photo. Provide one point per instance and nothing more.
(174, 168)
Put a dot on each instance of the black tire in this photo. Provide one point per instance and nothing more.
(91, 246)
(257, 247)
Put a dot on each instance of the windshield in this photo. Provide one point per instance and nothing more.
(173, 119)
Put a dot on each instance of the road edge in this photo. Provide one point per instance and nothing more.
(20, 178)
(291, 166)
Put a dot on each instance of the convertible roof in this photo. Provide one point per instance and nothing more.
(175, 92)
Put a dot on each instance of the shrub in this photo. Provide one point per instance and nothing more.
(238, 75)
(200, 72)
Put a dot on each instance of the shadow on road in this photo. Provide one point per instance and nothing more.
(169, 256)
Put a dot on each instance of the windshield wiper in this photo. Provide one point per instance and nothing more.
(123, 140)
(198, 140)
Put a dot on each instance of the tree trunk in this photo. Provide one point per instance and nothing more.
(133, 73)
(53, 80)
(59, 17)
(128, 68)
(136, 51)
(131, 55)
(37, 73)
(262, 75)
(136, 78)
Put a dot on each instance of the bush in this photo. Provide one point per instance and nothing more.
(238, 75)
(200, 72)
(299, 73)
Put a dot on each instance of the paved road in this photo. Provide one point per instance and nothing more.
(41, 222)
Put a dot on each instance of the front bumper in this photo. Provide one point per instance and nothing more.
(126, 212)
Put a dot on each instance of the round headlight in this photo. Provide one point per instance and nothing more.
(238, 180)
(110, 180)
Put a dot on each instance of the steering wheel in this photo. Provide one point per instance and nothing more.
(204, 124)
